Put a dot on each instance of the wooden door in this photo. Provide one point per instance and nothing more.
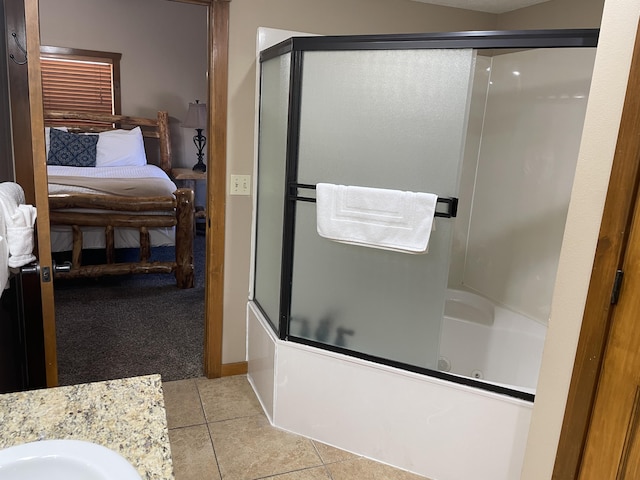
(612, 449)
(33, 173)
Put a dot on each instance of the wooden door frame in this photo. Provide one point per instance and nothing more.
(218, 73)
(216, 184)
(610, 251)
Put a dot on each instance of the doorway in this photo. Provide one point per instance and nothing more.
(128, 325)
(217, 59)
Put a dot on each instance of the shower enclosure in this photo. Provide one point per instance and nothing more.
(412, 113)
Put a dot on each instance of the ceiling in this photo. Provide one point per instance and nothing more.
(491, 6)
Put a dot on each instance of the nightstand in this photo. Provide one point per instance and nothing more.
(189, 177)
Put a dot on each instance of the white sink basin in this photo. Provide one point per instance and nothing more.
(64, 460)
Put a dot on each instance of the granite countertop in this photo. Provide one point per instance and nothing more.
(125, 415)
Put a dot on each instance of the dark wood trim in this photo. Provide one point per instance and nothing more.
(239, 368)
(610, 251)
(53, 52)
(205, 3)
(19, 80)
(216, 185)
(7, 173)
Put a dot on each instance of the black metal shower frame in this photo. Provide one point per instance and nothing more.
(296, 46)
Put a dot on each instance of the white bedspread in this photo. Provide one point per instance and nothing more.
(93, 237)
(142, 172)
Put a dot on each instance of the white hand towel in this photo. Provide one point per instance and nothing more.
(20, 241)
(19, 219)
(20, 236)
(24, 216)
(4, 256)
(375, 217)
(11, 195)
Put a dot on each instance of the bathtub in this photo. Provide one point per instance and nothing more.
(425, 425)
(489, 342)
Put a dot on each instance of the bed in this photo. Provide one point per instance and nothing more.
(110, 189)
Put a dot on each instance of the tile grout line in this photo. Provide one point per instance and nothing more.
(324, 464)
(215, 455)
(206, 422)
(204, 413)
(293, 471)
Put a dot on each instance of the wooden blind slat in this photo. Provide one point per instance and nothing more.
(77, 86)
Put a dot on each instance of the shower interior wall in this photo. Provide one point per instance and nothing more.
(525, 124)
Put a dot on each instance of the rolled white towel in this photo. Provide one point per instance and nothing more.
(4, 257)
(11, 196)
(18, 225)
(20, 242)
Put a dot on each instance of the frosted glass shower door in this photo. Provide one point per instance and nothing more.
(392, 119)
(272, 153)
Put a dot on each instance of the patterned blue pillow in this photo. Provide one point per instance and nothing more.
(71, 149)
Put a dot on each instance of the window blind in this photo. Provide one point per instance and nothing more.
(77, 85)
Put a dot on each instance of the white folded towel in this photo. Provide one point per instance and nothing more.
(375, 217)
(20, 241)
(4, 256)
(18, 228)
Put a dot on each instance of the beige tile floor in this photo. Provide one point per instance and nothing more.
(218, 430)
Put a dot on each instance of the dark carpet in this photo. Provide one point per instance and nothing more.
(123, 326)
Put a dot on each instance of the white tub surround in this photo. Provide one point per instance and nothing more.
(490, 342)
(517, 174)
(428, 426)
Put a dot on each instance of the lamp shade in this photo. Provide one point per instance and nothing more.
(196, 116)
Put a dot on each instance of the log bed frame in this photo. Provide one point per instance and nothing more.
(175, 211)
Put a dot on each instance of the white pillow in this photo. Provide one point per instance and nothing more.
(120, 148)
(47, 139)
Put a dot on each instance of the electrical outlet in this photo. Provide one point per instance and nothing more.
(240, 185)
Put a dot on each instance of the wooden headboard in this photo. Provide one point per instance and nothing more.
(157, 128)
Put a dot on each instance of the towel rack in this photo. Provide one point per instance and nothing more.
(451, 203)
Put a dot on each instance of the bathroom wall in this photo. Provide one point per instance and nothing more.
(528, 150)
(553, 14)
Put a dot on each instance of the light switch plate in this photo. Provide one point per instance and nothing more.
(240, 185)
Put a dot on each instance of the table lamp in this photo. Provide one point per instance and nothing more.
(197, 118)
